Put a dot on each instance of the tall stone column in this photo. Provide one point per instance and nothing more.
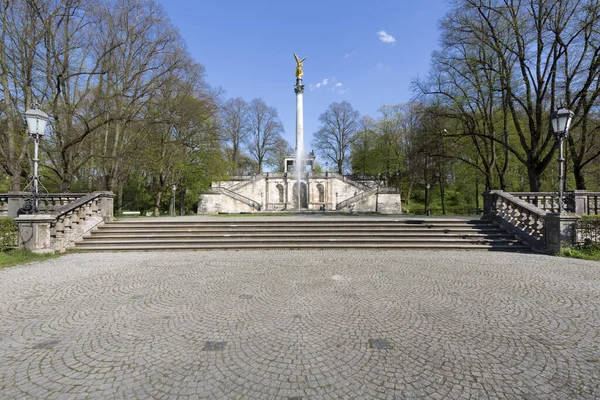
(299, 89)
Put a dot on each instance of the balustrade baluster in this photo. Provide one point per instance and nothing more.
(67, 221)
(81, 213)
(59, 227)
(74, 217)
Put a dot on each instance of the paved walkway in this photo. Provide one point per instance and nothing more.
(301, 324)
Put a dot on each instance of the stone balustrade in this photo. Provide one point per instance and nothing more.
(576, 201)
(544, 231)
(12, 202)
(547, 201)
(516, 216)
(61, 227)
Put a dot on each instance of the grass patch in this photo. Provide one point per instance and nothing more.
(11, 257)
(584, 252)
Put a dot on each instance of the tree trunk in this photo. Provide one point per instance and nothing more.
(443, 196)
(157, 199)
(182, 202)
(579, 177)
(120, 199)
(534, 178)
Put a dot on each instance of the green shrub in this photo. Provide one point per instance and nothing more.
(8, 233)
(585, 252)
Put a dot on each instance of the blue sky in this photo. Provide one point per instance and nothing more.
(364, 52)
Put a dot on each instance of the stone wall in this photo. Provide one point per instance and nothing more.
(265, 190)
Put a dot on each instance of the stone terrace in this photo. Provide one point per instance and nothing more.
(301, 324)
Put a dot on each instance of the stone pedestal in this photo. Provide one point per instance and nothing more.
(560, 231)
(34, 232)
(388, 203)
(107, 206)
(488, 205)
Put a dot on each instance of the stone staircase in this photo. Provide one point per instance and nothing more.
(323, 232)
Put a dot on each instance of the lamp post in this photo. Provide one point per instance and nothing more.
(561, 122)
(427, 208)
(36, 126)
(172, 205)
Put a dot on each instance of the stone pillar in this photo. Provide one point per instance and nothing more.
(107, 206)
(34, 232)
(488, 205)
(266, 206)
(299, 89)
(560, 231)
(15, 202)
(580, 200)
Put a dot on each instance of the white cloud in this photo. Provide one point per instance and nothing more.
(350, 54)
(331, 84)
(339, 88)
(385, 37)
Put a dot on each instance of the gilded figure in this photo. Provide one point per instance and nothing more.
(299, 62)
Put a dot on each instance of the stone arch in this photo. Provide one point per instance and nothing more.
(280, 190)
(321, 191)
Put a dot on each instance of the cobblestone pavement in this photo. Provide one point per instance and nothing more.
(301, 324)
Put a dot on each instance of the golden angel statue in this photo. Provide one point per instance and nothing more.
(299, 72)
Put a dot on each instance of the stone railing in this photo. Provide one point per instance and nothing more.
(348, 203)
(590, 202)
(517, 216)
(12, 202)
(576, 201)
(60, 228)
(547, 201)
(236, 196)
(542, 230)
(245, 181)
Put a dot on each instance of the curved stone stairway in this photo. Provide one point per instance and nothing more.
(323, 232)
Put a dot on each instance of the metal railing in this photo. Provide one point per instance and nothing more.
(587, 231)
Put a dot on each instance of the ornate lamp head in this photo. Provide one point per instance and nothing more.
(561, 122)
(36, 121)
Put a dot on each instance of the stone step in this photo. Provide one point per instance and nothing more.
(237, 246)
(284, 239)
(296, 234)
(301, 234)
(276, 230)
(240, 224)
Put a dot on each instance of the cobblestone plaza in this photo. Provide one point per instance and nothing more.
(301, 325)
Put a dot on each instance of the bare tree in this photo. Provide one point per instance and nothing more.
(20, 35)
(149, 54)
(506, 65)
(265, 131)
(281, 150)
(235, 128)
(339, 124)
